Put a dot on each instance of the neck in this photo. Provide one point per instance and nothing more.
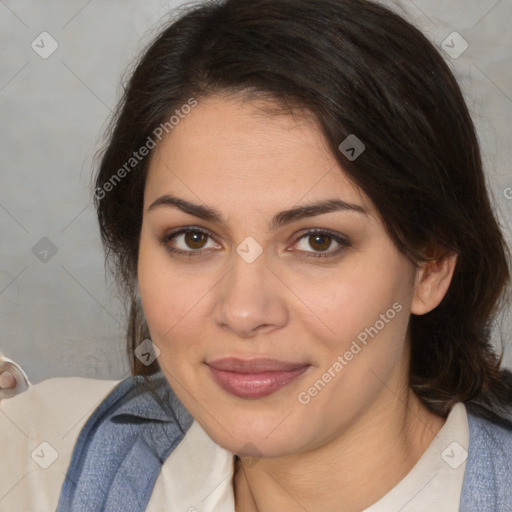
(349, 473)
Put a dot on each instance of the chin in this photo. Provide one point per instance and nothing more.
(253, 437)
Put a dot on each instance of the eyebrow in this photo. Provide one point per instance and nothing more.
(280, 219)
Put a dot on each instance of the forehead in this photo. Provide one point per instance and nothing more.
(234, 150)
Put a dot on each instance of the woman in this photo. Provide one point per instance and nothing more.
(292, 197)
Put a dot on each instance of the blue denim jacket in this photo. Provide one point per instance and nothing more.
(123, 445)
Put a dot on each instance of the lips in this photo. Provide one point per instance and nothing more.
(259, 365)
(254, 378)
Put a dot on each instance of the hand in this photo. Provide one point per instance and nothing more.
(7, 380)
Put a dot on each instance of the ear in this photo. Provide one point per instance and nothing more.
(431, 283)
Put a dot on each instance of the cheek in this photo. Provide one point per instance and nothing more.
(172, 300)
(360, 362)
(351, 299)
(365, 306)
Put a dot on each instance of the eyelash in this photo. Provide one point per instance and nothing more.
(344, 243)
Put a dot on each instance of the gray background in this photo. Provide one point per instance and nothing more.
(60, 316)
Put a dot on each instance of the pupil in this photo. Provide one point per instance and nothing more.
(320, 242)
(195, 240)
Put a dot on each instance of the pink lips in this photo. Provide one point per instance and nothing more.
(254, 378)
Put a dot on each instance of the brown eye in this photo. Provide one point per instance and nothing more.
(190, 242)
(319, 242)
(195, 239)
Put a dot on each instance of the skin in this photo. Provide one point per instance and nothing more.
(7, 380)
(366, 429)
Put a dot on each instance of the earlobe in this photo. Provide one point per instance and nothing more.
(432, 281)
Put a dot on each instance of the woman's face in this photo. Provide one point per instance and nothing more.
(254, 244)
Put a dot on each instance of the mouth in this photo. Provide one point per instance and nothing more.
(254, 378)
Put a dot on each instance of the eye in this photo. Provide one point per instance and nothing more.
(190, 242)
(321, 243)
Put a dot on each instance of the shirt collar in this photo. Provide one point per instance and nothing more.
(200, 473)
(151, 398)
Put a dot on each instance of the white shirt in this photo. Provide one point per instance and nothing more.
(47, 418)
(198, 475)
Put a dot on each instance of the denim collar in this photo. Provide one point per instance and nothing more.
(122, 446)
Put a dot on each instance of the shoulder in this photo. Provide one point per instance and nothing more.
(54, 404)
(38, 429)
(487, 437)
(129, 435)
(488, 475)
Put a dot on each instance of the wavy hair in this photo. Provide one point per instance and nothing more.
(361, 69)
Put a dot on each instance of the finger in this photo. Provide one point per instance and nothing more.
(7, 380)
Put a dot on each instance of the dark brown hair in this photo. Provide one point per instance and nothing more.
(359, 69)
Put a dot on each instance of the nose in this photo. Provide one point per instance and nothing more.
(250, 299)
